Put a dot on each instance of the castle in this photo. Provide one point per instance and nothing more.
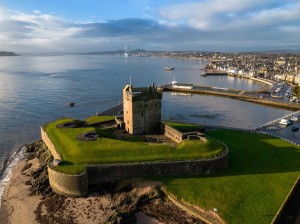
(142, 109)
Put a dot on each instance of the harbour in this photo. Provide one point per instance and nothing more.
(90, 82)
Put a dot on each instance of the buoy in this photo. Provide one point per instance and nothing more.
(71, 104)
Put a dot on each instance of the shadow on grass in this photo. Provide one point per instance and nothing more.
(106, 133)
(251, 153)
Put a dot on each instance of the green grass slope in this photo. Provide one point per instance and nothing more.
(262, 171)
(108, 149)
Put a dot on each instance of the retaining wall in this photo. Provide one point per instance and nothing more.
(49, 144)
(77, 185)
(68, 185)
(106, 173)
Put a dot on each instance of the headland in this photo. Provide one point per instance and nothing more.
(200, 186)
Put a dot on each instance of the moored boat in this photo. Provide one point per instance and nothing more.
(168, 68)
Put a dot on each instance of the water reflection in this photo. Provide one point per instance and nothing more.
(144, 219)
(211, 110)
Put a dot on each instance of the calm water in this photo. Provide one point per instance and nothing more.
(35, 90)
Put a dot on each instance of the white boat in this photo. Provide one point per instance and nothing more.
(174, 82)
(126, 51)
(168, 68)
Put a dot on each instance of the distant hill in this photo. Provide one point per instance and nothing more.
(5, 53)
(118, 52)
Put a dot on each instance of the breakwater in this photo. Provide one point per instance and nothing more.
(234, 94)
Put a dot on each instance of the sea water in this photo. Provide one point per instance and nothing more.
(36, 90)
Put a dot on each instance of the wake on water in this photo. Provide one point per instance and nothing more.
(6, 171)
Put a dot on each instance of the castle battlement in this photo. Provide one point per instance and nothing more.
(142, 109)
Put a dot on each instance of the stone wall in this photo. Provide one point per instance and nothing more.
(177, 136)
(141, 109)
(49, 144)
(115, 172)
(68, 185)
(77, 185)
(173, 133)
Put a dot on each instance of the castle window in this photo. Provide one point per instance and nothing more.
(127, 122)
(155, 105)
(142, 114)
(126, 111)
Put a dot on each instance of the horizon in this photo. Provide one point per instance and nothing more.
(271, 51)
(206, 26)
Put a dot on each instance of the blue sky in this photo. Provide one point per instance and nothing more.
(204, 25)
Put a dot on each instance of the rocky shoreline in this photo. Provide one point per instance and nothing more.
(112, 203)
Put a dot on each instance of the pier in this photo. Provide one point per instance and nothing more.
(261, 96)
(214, 72)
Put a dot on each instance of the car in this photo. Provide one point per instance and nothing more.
(285, 122)
(295, 129)
(294, 118)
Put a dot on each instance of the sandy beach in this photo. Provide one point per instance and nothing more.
(18, 204)
(28, 198)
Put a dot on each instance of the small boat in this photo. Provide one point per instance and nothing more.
(174, 82)
(71, 104)
(203, 74)
(168, 68)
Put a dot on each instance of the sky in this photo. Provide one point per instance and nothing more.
(202, 25)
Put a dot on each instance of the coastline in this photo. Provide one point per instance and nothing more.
(28, 198)
(17, 201)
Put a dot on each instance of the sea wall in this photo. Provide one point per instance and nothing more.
(251, 99)
(49, 144)
(78, 185)
(68, 185)
(262, 81)
(107, 173)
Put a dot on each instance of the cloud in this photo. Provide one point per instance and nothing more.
(211, 15)
(29, 32)
(218, 25)
(36, 11)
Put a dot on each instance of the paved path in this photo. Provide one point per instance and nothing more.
(114, 111)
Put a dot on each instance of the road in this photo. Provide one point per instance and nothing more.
(284, 132)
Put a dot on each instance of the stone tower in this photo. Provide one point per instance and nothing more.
(142, 109)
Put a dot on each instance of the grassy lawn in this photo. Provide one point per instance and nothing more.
(261, 172)
(108, 149)
(183, 126)
(97, 119)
